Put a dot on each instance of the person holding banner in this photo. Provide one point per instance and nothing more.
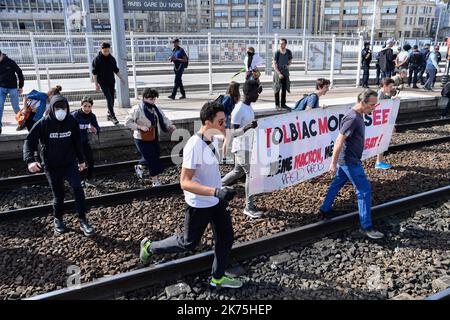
(243, 119)
(386, 92)
(346, 162)
(206, 200)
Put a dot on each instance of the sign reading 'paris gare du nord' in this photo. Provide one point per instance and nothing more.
(155, 5)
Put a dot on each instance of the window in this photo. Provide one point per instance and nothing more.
(421, 20)
(277, 12)
(389, 10)
(238, 1)
(367, 10)
(221, 1)
(238, 13)
(331, 10)
(351, 11)
(221, 13)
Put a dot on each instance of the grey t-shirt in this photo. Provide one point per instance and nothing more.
(354, 128)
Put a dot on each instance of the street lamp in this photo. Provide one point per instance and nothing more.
(373, 22)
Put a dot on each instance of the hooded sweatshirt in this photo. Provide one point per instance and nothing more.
(85, 121)
(8, 71)
(60, 140)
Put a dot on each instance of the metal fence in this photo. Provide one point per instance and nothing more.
(47, 57)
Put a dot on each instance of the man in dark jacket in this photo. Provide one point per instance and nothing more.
(8, 84)
(366, 55)
(415, 65)
(104, 66)
(386, 59)
(59, 136)
(424, 52)
(179, 59)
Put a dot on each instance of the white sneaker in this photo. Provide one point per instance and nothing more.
(372, 233)
(253, 212)
(139, 171)
(156, 183)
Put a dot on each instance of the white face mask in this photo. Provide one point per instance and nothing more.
(60, 114)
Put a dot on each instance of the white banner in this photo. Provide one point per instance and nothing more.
(298, 146)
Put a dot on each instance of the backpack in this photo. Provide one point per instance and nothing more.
(446, 90)
(416, 58)
(219, 99)
(301, 104)
(186, 64)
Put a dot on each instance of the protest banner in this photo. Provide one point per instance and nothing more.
(294, 147)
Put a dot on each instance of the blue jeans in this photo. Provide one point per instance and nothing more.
(431, 71)
(355, 173)
(13, 95)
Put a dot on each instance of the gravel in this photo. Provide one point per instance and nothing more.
(411, 262)
(34, 261)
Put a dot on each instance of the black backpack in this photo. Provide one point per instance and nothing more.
(446, 90)
(186, 64)
(416, 58)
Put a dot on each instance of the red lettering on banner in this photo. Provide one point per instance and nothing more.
(323, 125)
(370, 143)
(312, 156)
(385, 116)
(376, 117)
(268, 131)
(286, 138)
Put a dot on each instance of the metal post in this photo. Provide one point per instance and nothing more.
(333, 51)
(305, 4)
(358, 72)
(88, 31)
(307, 56)
(35, 59)
(438, 26)
(373, 23)
(133, 61)
(259, 27)
(120, 50)
(210, 64)
(67, 29)
(269, 28)
(48, 77)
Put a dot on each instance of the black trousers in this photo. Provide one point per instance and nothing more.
(178, 83)
(446, 109)
(378, 74)
(421, 71)
(413, 75)
(89, 156)
(195, 222)
(365, 79)
(56, 177)
(283, 93)
(109, 90)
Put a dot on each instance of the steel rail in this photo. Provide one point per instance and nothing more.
(111, 286)
(106, 169)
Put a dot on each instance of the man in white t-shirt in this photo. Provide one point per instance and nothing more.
(206, 199)
(402, 59)
(243, 117)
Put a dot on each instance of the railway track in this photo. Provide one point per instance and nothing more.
(119, 284)
(168, 189)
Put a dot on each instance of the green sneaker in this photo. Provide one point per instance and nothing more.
(226, 282)
(144, 255)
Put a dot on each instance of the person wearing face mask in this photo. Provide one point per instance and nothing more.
(62, 158)
(88, 124)
(146, 120)
(346, 162)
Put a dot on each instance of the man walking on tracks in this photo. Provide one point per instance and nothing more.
(206, 199)
(346, 163)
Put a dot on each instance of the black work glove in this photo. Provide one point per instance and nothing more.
(251, 125)
(225, 193)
